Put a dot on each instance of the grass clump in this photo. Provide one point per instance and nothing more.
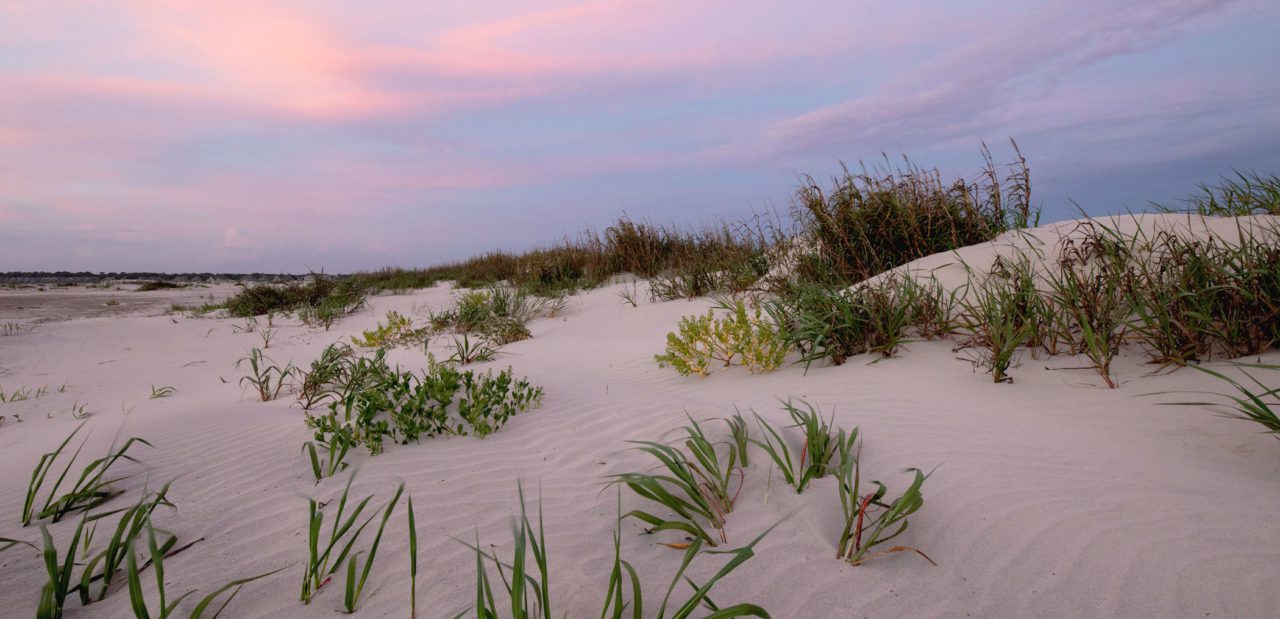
(528, 594)
(268, 381)
(327, 554)
(870, 221)
(526, 580)
(1252, 401)
(466, 351)
(493, 309)
(1243, 193)
(871, 520)
(1097, 311)
(91, 489)
(326, 373)
(821, 442)
(751, 340)
(105, 565)
(834, 324)
(161, 392)
(1000, 314)
(698, 489)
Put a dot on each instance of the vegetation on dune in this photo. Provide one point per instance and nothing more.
(369, 401)
(159, 285)
(871, 221)
(694, 489)
(1242, 193)
(526, 580)
(133, 544)
(747, 339)
(319, 300)
(398, 331)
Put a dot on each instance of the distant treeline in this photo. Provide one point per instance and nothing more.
(86, 277)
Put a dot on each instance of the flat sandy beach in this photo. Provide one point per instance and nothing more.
(1052, 495)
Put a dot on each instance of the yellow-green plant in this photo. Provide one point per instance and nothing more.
(398, 331)
(747, 339)
(689, 351)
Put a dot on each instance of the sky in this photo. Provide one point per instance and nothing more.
(287, 136)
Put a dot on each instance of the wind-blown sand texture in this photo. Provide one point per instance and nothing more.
(1053, 496)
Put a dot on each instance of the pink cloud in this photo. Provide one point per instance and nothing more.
(981, 79)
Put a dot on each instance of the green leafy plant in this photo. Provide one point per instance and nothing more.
(267, 334)
(413, 562)
(234, 587)
(55, 591)
(157, 551)
(319, 384)
(134, 579)
(690, 350)
(741, 437)
(372, 401)
(336, 445)
(7, 543)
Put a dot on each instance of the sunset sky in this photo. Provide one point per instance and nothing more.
(287, 136)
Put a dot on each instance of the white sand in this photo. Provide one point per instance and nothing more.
(1053, 496)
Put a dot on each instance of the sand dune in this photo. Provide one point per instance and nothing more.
(1053, 496)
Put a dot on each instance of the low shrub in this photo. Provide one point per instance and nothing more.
(398, 331)
(750, 340)
(317, 297)
(498, 313)
(368, 401)
(159, 285)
